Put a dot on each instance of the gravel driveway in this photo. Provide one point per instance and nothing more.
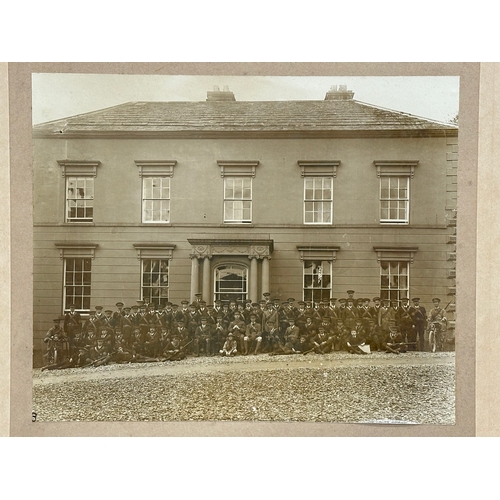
(337, 387)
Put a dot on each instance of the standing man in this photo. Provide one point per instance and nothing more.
(419, 322)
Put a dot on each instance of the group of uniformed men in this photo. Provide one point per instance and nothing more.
(148, 332)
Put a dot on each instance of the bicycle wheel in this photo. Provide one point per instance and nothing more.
(432, 340)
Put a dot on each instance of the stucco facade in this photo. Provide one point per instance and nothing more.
(276, 245)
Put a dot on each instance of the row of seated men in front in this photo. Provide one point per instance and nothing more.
(105, 344)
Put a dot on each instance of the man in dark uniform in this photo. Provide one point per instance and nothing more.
(253, 335)
(419, 322)
(56, 342)
(405, 322)
(350, 314)
(71, 322)
(203, 338)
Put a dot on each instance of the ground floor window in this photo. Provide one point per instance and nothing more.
(317, 280)
(77, 277)
(231, 282)
(394, 280)
(154, 281)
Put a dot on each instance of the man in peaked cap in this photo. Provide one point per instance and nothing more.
(405, 323)
(419, 321)
(350, 294)
(438, 315)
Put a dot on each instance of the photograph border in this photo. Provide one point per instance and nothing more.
(22, 252)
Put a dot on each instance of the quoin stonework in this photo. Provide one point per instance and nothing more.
(160, 201)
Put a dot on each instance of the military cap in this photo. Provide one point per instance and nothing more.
(342, 301)
(276, 299)
(119, 304)
(262, 301)
(230, 334)
(197, 294)
(416, 299)
(203, 318)
(350, 292)
(126, 308)
(56, 320)
(266, 294)
(333, 299)
(254, 304)
(98, 308)
(175, 305)
(350, 299)
(202, 302)
(184, 301)
(405, 299)
(376, 299)
(436, 299)
(366, 300)
(135, 307)
(301, 303)
(108, 311)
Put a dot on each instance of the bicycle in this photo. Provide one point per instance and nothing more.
(437, 336)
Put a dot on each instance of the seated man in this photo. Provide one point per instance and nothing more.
(394, 342)
(356, 339)
(322, 342)
(174, 350)
(230, 347)
(253, 335)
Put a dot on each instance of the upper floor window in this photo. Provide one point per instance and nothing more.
(394, 199)
(79, 199)
(156, 178)
(238, 175)
(238, 199)
(156, 199)
(318, 178)
(395, 190)
(318, 200)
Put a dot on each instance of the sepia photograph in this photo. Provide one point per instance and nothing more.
(244, 248)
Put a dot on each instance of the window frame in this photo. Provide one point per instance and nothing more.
(75, 250)
(242, 200)
(388, 292)
(75, 298)
(156, 169)
(162, 200)
(78, 170)
(395, 169)
(154, 251)
(77, 180)
(317, 289)
(323, 201)
(398, 200)
(162, 299)
(243, 295)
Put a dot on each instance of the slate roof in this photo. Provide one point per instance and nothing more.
(328, 118)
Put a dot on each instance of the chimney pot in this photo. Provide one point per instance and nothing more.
(339, 93)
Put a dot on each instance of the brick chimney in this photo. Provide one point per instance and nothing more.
(220, 95)
(339, 93)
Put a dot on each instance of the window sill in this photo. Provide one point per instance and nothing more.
(237, 224)
(393, 223)
(162, 224)
(79, 223)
